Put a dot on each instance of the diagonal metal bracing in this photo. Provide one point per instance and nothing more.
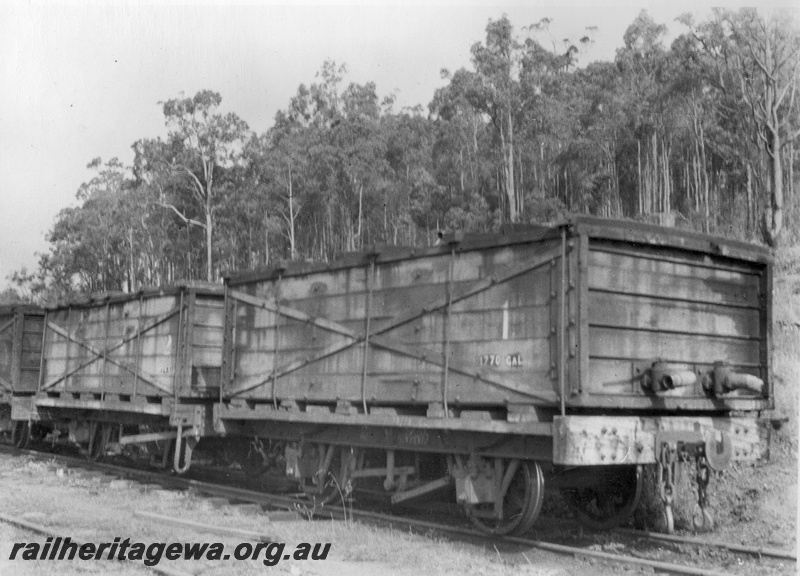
(7, 325)
(431, 357)
(5, 384)
(294, 314)
(375, 337)
(300, 363)
(98, 355)
(104, 354)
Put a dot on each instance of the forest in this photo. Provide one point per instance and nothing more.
(699, 135)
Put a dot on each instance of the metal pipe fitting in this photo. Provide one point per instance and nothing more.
(727, 380)
(678, 379)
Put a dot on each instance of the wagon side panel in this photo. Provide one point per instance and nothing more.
(489, 312)
(140, 336)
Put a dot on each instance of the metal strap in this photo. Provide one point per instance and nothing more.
(105, 347)
(370, 272)
(138, 344)
(446, 329)
(8, 324)
(277, 340)
(176, 363)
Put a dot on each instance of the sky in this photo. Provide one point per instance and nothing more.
(80, 80)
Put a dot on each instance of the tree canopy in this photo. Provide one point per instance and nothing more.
(699, 134)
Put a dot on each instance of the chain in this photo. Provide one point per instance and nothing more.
(666, 484)
(703, 477)
(705, 521)
(666, 475)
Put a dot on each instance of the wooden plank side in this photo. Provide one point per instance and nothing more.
(28, 380)
(646, 313)
(635, 275)
(638, 345)
(479, 326)
(648, 304)
(6, 351)
(154, 348)
(501, 330)
(390, 390)
(399, 275)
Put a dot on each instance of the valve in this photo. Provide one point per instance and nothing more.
(662, 377)
(723, 379)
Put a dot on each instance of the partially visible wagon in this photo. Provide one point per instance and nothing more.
(20, 356)
(116, 363)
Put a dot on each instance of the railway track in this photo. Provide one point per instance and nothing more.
(287, 507)
(52, 533)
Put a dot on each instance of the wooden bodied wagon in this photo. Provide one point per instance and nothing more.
(121, 370)
(20, 355)
(569, 355)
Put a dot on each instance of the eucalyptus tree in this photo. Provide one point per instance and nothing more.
(494, 89)
(205, 141)
(89, 243)
(754, 60)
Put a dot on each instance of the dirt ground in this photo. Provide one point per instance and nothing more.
(753, 505)
(100, 511)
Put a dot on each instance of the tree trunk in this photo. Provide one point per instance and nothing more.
(507, 151)
(131, 269)
(639, 175)
(775, 224)
(292, 244)
(266, 238)
(209, 263)
(360, 215)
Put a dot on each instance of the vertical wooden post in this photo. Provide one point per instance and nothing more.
(17, 328)
(275, 348)
(177, 348)
(41, 357)
(105, 350)
(186, 357)
(446, 330)
(138, 345)
(228, 317)
(370, 272)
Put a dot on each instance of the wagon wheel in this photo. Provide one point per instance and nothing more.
(21, 434)
(253, 464)
(255, 459)
(100, 435)
(332, 481)
(521, 504)
(610, 504)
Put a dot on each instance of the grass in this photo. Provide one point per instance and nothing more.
(96, 512)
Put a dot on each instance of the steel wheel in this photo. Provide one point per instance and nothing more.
(99, 442)
(331, 483)
(609, 504)
(521, 505)
(21, 434)
(253, 459)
